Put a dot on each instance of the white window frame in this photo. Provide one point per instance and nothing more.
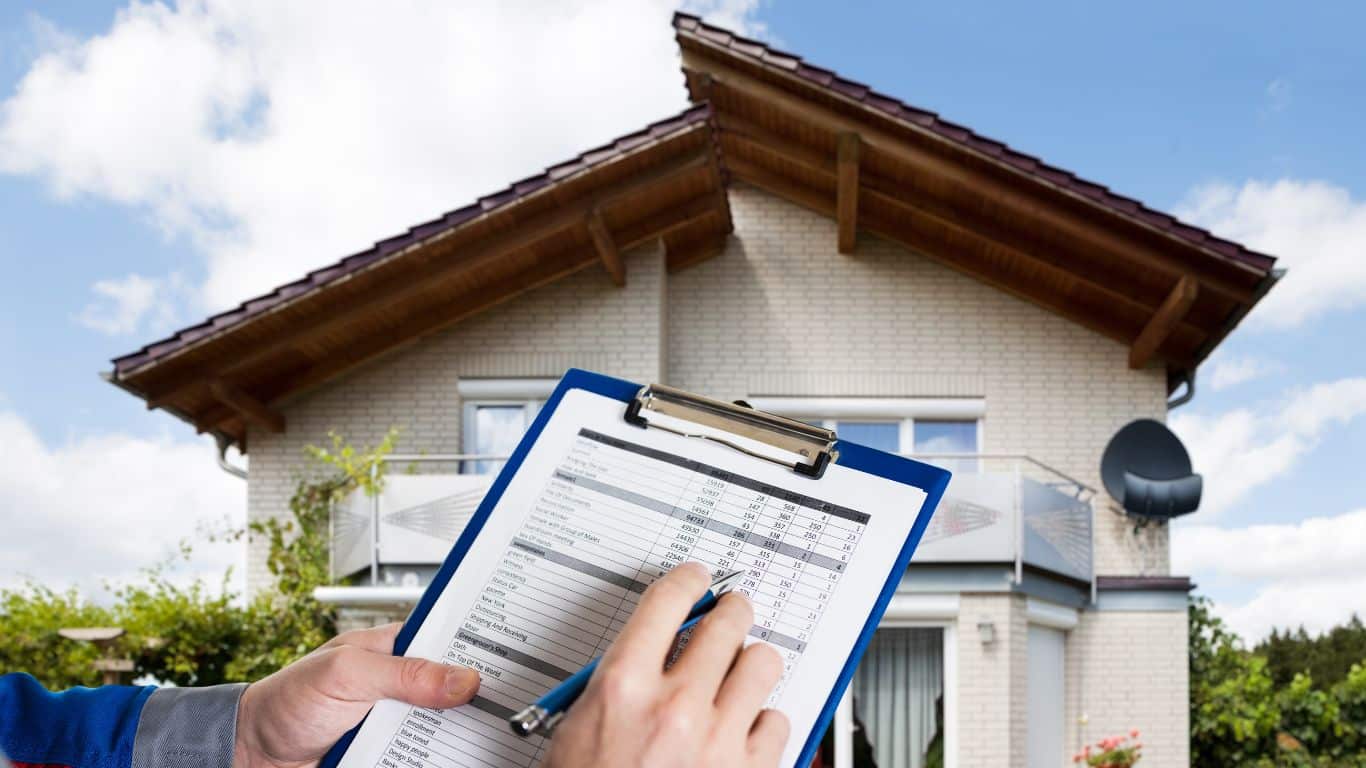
(528, 393)
(904, 411)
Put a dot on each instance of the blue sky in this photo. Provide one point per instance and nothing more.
(116, 227)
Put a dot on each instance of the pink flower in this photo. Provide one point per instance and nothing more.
(1133, 734)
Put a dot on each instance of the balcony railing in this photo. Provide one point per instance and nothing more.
(1011, 508)
(999, 508)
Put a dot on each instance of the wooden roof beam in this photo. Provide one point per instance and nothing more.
(846, 186)
(253, 411)
(607, 248)
(683, 255)
(1164, 322)
(967, 253)
(803, 195)
(403, 287)
(1012, 201)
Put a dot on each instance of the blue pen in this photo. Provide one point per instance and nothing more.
(545, 714)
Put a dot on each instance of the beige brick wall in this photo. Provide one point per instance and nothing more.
(1126, 670)
(782, 312)
(992, 681)
(582, 321)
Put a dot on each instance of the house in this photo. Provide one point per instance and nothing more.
(820, 250)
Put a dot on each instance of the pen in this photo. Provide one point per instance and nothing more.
(547, 711)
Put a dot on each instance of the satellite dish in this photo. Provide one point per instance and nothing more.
(1147, 470)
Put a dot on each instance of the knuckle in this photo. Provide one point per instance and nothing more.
(678, 718)
(340, 658)
(619, 689)
(412, 673)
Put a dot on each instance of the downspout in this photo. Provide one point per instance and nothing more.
(223, 463)
(1184, 397)
(1272, 277)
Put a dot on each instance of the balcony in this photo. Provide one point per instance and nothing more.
(1000, 509)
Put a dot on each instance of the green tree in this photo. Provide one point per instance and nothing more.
(1326, 657)
(1233, 708)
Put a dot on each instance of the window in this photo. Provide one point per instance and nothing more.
(895, 704)
(494, 429)
(935, 428)
(945, 437)
(883, 435)
(495, 415)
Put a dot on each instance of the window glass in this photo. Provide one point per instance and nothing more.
(883, 435)
(945, 436)
(497, 430)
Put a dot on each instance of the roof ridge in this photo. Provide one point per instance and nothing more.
(686, 23)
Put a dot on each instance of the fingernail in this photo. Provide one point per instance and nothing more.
(461, 683)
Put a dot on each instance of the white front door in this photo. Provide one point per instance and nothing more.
(1044, 739)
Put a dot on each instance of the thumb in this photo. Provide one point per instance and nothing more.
(410, 680)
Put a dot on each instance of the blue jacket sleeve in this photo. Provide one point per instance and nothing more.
(80, 727)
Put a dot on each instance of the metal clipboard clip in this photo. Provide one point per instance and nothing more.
(813, 447)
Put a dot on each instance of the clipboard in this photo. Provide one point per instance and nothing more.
(806, 450)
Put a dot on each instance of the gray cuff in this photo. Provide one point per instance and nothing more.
(188, 728)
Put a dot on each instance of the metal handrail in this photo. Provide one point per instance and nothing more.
(449, 457)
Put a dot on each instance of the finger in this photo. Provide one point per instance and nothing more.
(378, 639)
(713, 645)
(768, 738)
(645, 640)
(369, 676)
(748, 685)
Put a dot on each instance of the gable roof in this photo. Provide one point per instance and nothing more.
(1169, 290)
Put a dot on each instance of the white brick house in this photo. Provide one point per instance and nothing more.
(687, 255)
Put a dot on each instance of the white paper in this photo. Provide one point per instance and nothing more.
(600, 509)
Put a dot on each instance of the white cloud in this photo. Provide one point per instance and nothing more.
(122, 304)
(1227, 371)
(1317, 229)
(1307, 573)
(280, 136)
(1272, 437)
(102, 507)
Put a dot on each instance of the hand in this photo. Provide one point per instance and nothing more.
(705, 710)
(294, 716)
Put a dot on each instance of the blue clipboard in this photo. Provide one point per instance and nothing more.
(932, 480)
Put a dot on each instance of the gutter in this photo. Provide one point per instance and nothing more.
(223, 443)
(222, 440)
(1235, 317)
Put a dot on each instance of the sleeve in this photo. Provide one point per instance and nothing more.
(77, 728)
(188, 726)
